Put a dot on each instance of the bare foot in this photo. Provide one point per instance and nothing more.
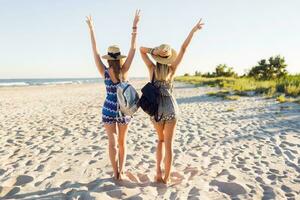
(116, 175)
(158, 177)
(121, 176)
(166, 180)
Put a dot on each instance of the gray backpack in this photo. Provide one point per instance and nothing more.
(127, 98)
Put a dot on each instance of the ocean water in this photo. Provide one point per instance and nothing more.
(28, 82)
(52, 81)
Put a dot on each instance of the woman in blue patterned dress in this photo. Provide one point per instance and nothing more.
(116, 125)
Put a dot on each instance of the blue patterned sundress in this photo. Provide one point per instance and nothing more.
(110, 113)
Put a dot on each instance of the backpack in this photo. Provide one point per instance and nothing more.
(149, 100)
(128, 98)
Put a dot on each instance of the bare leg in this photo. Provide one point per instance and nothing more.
(112, 148)
(159, 127)
(123, 129)
(169, 130)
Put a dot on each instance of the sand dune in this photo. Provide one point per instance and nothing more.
(53, 146)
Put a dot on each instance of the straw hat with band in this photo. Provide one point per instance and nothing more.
(171, 54)
(113, 53)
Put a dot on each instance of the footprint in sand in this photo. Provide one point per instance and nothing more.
(194, 193)
(49, 177)
(192, 170)
(205, 154)
(289, 155)
(193, 155)
(29, 162)
(176, 178)
(231, 177)
(143, 178)
(47, 159)
(68, 169)
(2, 171)
(268, 192)
(153, 149)
(229, 188)
(260, 180)
(14, 153)
(92, 161)
(10, 141)
(131, 177)
(98, 154)
(22, 180)
(39, 168)
(272, 177)
(274, 171)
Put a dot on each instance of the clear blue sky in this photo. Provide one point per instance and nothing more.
(49, 38)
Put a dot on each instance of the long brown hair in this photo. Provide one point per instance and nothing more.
(116, 66)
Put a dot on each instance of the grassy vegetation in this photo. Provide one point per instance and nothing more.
(224, 94)
(297, 101)
(281, 88)
(221, 93)
(232, 97)
(230, 110)
(283, 99)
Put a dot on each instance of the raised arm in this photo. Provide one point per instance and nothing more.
(185, 44)
(131, 52)
(146, 59)
(97, 58)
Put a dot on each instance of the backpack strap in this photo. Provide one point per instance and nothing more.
(156, 117)
(153, 76)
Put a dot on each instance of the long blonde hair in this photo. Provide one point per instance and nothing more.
(162, 72)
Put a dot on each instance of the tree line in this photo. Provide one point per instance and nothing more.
(273, 68)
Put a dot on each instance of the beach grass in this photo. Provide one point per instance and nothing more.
(221, 93)
(283, 99)
(290, 85)
(230, 110)
(232, 97)
(224, 94)
(297, 101)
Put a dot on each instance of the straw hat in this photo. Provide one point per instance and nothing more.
(113, 53)
(171, 54)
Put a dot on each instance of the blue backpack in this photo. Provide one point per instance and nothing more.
(128, 98)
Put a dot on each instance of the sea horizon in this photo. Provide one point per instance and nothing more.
(50, 81)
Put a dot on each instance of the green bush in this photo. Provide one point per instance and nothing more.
(274, 68)
(222, 70)
(225, 71)
(292, 90)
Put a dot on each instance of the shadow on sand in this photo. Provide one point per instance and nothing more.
(67, 190)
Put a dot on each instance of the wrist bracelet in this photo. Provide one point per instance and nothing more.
(134, 27)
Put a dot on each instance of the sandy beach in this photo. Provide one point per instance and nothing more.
(53, 146)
